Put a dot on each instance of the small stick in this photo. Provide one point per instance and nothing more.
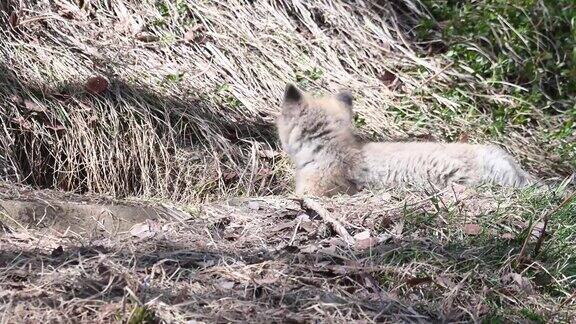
(522, 255)
(435, 75)
(308, 203)
(567, 300)
(546, 218)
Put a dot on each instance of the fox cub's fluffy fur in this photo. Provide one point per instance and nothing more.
(317, 134)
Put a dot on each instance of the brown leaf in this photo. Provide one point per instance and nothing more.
(365, 243)
(398, 228)
(336, 241)
(13, 20)
(309, 226)
(57, 127)
(518, 281)
(445, 281)
(472, 229)
(463, 138)
(97, 84)
(331, 250)
(263, 172)
(458, 190)
(309, 248)
(190, 34)
(508, 236)
(230, 175)
(387, 77)
(195, 35)
(364, 240)
(363, 235)
(146, 37)
(424, 137)
(537, 229)
(267, 280)
(418, 281)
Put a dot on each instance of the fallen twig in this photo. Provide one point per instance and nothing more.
(545, 220)
(522, 255)
(308, 203)
(568, 300)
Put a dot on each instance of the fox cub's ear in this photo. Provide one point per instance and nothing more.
(292, 95)
(346, 98)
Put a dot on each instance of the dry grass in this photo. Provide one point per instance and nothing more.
(194, 88)
(187, 117)
(269, 260)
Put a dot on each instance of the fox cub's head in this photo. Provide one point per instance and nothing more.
(308, 119)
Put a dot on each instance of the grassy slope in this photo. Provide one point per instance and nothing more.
(194, 89)
(188, 116)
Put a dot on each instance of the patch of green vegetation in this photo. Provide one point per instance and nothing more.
(523, 49)
(226, 97)
(525, 42)
(532, 316)
(168, 10)
(359, 120)
(304, 77)
(174, 77)
(493, 319)
(464, 250)
(192, 210)
(142, 315)
(181, 7)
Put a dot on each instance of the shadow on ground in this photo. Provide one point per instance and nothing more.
(131, 140)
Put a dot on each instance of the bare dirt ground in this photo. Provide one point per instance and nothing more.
(453, 256)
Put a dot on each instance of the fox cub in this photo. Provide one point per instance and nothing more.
(317, 135)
